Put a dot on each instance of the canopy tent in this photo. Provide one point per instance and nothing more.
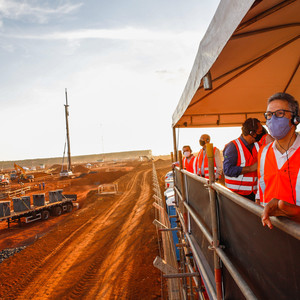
(251, 50)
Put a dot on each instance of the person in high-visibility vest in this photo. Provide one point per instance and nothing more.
(279, 161)
(240, 160)
(202, 160)
(266, 138)
(188, 161)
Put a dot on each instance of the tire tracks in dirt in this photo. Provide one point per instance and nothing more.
(110, 272)
(46, 280)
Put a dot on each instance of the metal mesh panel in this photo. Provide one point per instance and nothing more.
(268, 260)
(177, 180)
(198, 199)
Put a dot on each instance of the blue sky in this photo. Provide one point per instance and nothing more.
(124, 63)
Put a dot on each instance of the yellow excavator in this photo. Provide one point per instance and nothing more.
(21, 173)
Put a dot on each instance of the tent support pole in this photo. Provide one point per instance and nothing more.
(213, 211)
(288, 84)
(175, 143)
(184, 213)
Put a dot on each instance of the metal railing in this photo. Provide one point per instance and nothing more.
(18, 192)
(226, 249)
(167, 250)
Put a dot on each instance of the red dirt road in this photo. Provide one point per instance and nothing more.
(104, 250)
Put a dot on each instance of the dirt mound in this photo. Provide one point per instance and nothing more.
(81, 169)
(99, 178)
(55, 166)
(163, 163)
(39, 174)
(55, 169)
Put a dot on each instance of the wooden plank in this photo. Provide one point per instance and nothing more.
(162, 265)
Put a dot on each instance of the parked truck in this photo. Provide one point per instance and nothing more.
(38, 209)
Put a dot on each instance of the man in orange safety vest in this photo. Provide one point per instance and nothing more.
(202, 160)
(240, 160)
(279, 162)
(188, 161)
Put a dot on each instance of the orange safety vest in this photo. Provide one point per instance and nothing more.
(189, 165)
(199, 163)
(262, 141)
(244, 184)
(284, 183)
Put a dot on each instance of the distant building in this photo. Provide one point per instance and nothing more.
(144, 158)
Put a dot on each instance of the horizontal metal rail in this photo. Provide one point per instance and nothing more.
(200, 224)
(178, 192)
(241, 283)
(19, 191)
(250, 206)
(196, 177)
(181, 275)
(204, 274)
(233, 271)
(169, 229)
(180, 217)
(286, 225)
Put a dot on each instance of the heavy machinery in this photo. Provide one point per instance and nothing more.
(3, 180)
(66, 172)
(21, 174)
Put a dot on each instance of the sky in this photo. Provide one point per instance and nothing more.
(124, 64)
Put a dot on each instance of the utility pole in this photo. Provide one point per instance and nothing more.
(67, 128)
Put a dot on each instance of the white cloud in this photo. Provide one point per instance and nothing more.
(15, 10)
(128, 33)
(123, 83)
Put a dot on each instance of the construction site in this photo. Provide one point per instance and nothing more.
(102, 249)
(129, 225)
(83, 230)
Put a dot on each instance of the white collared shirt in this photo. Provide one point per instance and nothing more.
(281, 158)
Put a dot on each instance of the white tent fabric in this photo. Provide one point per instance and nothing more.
(252, 50)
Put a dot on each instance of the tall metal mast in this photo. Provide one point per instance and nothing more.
(67, 128)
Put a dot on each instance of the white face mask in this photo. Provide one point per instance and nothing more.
(187, 153)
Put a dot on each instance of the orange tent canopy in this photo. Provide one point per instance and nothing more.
(251, 50)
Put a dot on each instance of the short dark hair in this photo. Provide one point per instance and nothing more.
(293, 103)
(187, 146)
(251, 124)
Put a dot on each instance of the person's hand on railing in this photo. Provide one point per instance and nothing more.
(278, 207)
(175, 164)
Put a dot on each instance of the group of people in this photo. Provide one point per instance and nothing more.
(199, 164)
(262, 167)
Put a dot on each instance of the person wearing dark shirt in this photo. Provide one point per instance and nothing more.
(240, 160)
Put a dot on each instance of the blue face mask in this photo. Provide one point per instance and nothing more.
(279, 127)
